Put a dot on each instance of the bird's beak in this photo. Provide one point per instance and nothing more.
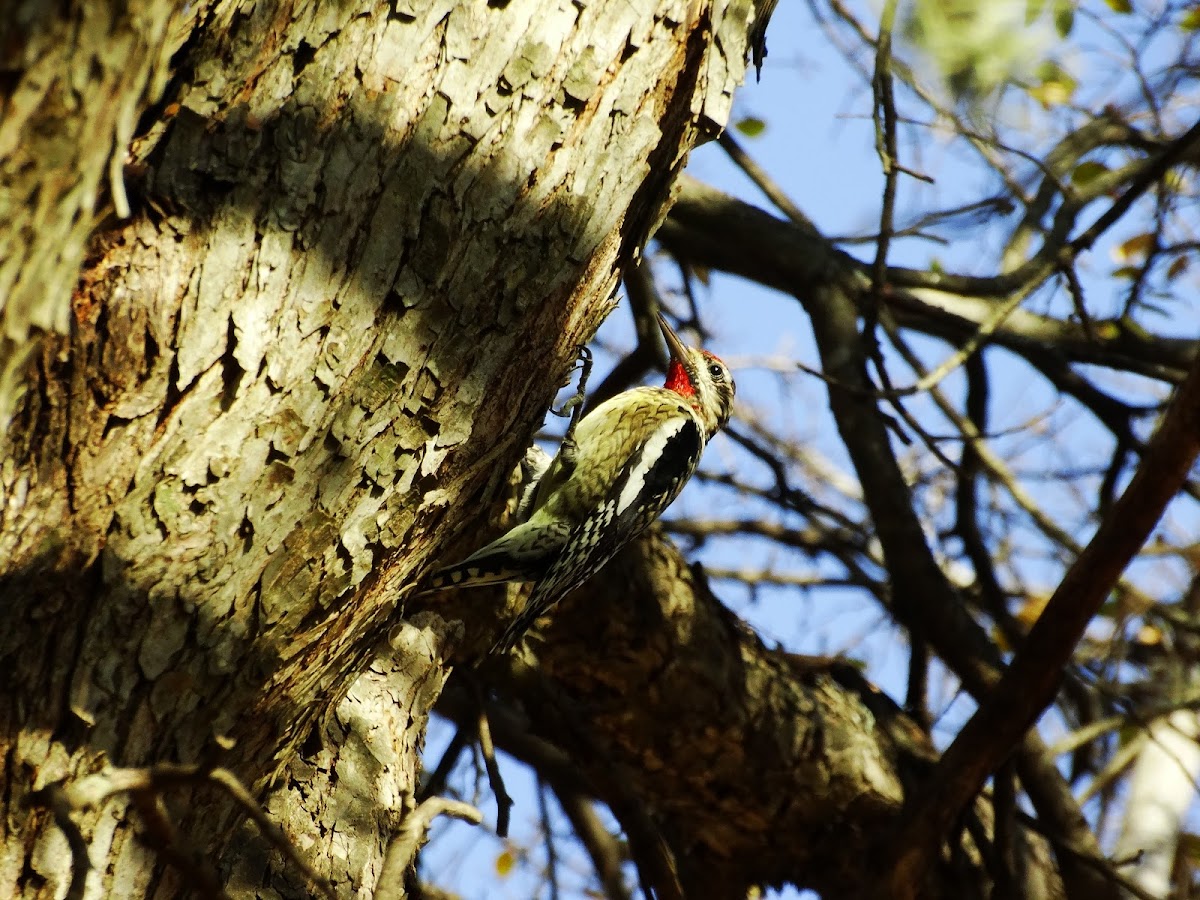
(674, 344)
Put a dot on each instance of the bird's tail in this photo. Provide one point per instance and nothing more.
(522, 554)
(474, 572)
(543, 599)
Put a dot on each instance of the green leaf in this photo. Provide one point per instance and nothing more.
(1034, 10)
(1050, 94)
(751, 126)
(1124, 7)
(1087, 172)
(1191, 19)
(1064, 17)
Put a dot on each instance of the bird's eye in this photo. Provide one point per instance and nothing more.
(716, 371)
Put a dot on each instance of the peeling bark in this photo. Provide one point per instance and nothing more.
(80, 74)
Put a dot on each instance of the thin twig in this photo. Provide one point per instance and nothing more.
(270, 829)
(161, 836)
(932, 378)
(967, 348)
(436, 782)
(1093, 730)
(548, 834)
(1173, 153)
(60, 806)
(1118, 763)
(1106, 867)
(504, 803)
(402, 848)
(999, 472)
(884, 115)
(652, 856)
(762, 180)
(603, 848)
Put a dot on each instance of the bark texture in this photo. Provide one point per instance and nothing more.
(365, 243)
(78, 74)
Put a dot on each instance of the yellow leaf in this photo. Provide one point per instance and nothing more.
(1124, 7)
(1175, 180)
(1149, 636)
(1056, 85)
(1025, 616)
(1178, 266)
(1135, 248)
(1031, 609)
(505, 862)
(1191, 19)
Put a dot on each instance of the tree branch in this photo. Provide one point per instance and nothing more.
(1033, 678)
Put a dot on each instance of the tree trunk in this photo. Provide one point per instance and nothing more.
(364, 245)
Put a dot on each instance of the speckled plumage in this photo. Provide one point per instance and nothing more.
(632, 456)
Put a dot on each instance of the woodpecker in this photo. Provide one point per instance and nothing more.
(614, 474)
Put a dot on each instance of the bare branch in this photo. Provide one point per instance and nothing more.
(1033, 677)
(402, 848)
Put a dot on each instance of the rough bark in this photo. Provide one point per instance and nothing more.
(304, 363)
(80, 73)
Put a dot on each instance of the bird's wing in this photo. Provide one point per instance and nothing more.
(522, 554)
(651, 477)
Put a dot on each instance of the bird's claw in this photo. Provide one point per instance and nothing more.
(569, 450)
(574, 406)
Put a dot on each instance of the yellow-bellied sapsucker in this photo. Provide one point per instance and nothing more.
(613, 476)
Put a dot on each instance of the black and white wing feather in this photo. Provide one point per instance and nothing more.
(646, 484)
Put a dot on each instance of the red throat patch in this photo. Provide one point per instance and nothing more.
(678, 380)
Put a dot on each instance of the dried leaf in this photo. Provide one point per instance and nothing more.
(1134, 248)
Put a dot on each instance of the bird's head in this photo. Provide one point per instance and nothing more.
(703, 379)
